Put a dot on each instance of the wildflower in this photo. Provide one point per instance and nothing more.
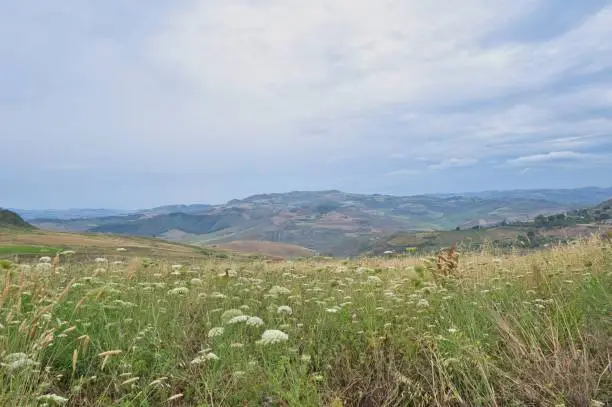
(236, 345)
(18, 361)
(229, 314)
(284, 309)
(203, 358)
(305, 358)
(178, 291)
(195, 281)
(272, 336)
(100, 260)
(121, 249)
(43, 266)
(278, 290)
(67, 252)
(237, 319)
(452, 330)
(254, 321)
(54, 399)
(216, 331)
(44, 259)
(331, 310)
(374, 280)
(423, 303)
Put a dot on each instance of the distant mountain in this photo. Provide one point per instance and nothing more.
(586, 196)
(325, 221)
(541, 230)
(90, 213)
(67, 214)
(12, 220)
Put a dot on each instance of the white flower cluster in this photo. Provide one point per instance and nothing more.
(284, 309)
(272, 336)
(278, 290)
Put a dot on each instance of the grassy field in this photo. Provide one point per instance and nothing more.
(34, 242)
(503, 331)
(25, 249)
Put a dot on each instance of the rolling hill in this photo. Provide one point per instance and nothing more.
(542, 230)
(330, 222)
(10, 219)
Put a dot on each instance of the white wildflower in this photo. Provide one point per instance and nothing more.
(453, 330)
(229, 314)
(238, 319)
(203, 358)
(331, 310)
(255, 321)
(178, 291)
(67, 252)
(284, 309)
(44, 259)
(278, 290)
(374, 280)
(121, 249)
(272, 336)
(423, 303)
(195, 281)
(100, 260)
(43, 266)
(18, 361)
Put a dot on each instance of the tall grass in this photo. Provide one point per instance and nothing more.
(504, 331)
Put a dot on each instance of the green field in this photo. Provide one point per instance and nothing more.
(501, 331)
(21, 249)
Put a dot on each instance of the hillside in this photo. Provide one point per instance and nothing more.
(39, 242)
(331, 222)
(10, 219)
(537, 233)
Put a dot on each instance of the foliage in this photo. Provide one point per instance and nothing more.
(12, 220)
(512, 330)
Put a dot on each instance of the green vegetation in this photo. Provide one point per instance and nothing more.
(9, 219)
(507, 331)
(16, 249)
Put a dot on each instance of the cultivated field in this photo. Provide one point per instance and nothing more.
(503, 331)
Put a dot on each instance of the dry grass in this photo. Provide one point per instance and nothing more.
(275, 249)
(509, 330)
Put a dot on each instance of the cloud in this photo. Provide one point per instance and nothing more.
(552, 156)
(453, 163)
(260, 87)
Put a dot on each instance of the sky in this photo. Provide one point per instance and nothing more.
(133, 104)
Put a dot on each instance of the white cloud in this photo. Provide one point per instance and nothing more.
(552, 156)
(453, 163)
(214, 87)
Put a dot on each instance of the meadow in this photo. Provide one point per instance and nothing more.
(503, 330)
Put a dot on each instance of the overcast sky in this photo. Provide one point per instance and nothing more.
(138, 103)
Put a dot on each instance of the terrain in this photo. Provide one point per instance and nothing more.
(10, 219)
(543, 230)
(493, 329)
(330, 222)
(29, 243)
